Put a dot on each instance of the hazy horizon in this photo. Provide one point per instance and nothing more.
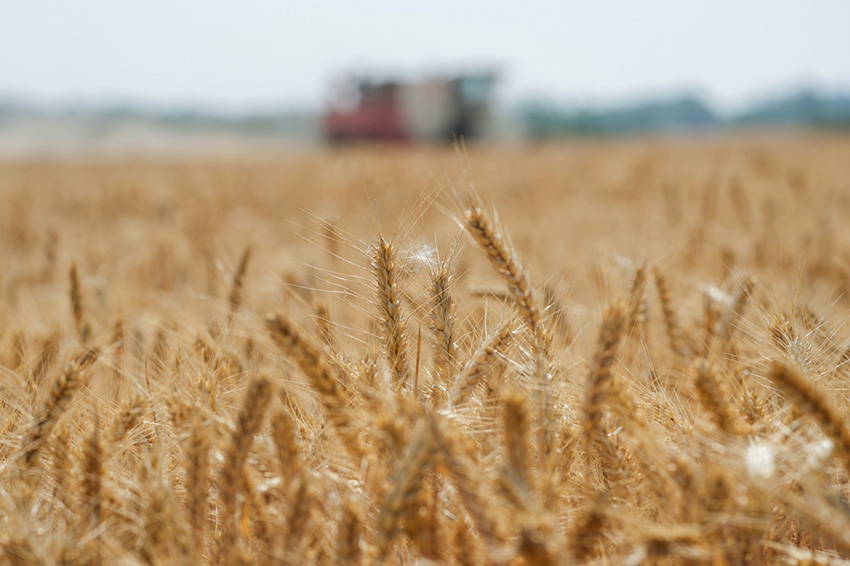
(269, 55)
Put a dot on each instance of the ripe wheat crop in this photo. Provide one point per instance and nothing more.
(631, 352)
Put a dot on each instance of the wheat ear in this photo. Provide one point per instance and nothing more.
(714, 398)
(61, 394)
(77, 308)
(671, 322)
(234, 299)
(482, 362)
(636, 299)
(257, 398)
(416, 461)
(443, 323)
(599, 381)
(350, 533)
(517, 419)
(464, 473)
(504, 260)
(323, 379)
(129, 416)
(283, 435)
(810, 399)
(92, 473)
(392, 318)
(479, 225)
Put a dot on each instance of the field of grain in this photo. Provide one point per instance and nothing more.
(614, 352)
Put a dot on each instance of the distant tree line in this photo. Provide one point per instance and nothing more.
(685, 114)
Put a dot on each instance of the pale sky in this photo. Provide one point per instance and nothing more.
(274, 53)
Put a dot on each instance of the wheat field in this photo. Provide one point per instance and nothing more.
(590, 352)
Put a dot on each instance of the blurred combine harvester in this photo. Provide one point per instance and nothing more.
(430, 110)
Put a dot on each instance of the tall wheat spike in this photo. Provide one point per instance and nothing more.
(77, 307)
(236, 296)
(671, 321)
(443, 323)
(503, 259)
(600, 377)
(384, 265)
